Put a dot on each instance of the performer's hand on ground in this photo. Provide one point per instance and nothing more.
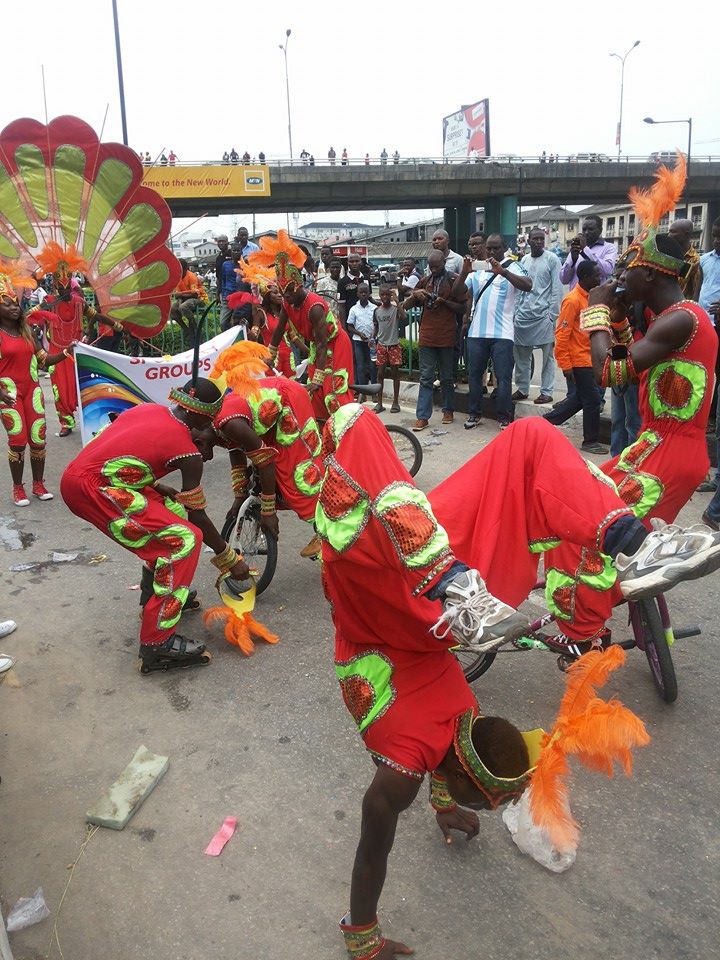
(458, 819)
(269, 524)
(241, 571)
(393, 948)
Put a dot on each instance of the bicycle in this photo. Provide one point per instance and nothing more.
(260, 550)
(652, 633)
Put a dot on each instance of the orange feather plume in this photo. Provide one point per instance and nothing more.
(598, 733)
(652, 204)
(252, 273)
(239, 631)
(52, 255)
(17, 274)
(271, 247)
(243, 364)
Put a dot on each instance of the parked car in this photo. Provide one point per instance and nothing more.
(589, 158)
(662, 156)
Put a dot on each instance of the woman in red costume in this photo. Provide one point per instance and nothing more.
(306, 316)
(22, 407)
(268, 421)
(66, 316)
(266, 310)
(394, 585)
(674, 363)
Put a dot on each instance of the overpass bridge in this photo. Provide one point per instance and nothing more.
(458, 187)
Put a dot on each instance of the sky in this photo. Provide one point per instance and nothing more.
(201, 78)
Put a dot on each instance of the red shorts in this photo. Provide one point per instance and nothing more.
(388, 356)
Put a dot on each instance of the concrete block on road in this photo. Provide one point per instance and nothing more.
(137, 781)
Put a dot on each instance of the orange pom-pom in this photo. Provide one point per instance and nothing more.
(243, 364)
(52, 255)
(239, 631)
(270, 248)
(17, 274)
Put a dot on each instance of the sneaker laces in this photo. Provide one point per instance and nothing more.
(466, 614)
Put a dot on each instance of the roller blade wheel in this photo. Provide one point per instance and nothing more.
(171, 656)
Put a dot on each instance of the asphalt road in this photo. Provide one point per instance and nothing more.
(267, 739)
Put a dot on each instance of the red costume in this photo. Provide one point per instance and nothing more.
(64, 324)
(284, 363)
(111, 484)
(281, 415)
(24, 421)
(334, 390)
(655, 476)
(385, 544)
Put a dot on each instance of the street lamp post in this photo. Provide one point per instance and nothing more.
(688, 122)
(283, 47)
(622, 92)
(121, 85)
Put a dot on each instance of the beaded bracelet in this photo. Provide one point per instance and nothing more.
(318, 378)
(239, 480)
(261, 457)
(267, 504)
(440, 798)
(192, 499)
(622, 332)
(619, 370)
(227, 559)
(595, 319)
(362, 941)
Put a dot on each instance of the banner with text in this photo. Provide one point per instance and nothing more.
(219, 180)
(110, 382)
(466, 133)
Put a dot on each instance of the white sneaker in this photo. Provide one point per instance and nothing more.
(472, 613)
(668, 555)
(7, 627)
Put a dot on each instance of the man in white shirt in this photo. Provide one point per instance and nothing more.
(490, 328)
(453, 261)
(407, 277)
(535, 316)
(360, 327)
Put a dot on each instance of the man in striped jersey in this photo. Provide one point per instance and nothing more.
(489, 327)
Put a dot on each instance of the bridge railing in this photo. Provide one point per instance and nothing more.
(507, 158)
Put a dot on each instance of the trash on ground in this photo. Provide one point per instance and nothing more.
(432, 443)
(98, 558)
(63, 557)
(533, 840)
(215, 847)
(439, 433)
(27, 911)
(125, 796)
(20, 567)
(134, 586)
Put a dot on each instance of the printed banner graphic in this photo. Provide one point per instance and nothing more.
(211, 181)
(110, 382)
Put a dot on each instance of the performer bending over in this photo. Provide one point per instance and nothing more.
(115, 485)
(392, 578)
(269, 422)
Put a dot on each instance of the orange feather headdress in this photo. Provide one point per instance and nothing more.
(13, 276)
(243, 364)
(285, 256)
(598, 732)
(61, 262)
(650, 207)
(261, 277)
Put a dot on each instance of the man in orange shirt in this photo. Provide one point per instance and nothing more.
(572, 352)
(189, 294)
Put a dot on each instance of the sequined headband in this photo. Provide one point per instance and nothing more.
(645, 248)
(193, 405)
(495, 789)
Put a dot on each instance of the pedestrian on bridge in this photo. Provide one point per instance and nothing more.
(331, 156)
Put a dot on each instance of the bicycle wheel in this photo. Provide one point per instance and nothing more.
(407, 447)
(259, 550)
(473, 664)
(646, 617)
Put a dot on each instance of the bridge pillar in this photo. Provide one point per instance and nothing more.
(460, 223)
(501, 215)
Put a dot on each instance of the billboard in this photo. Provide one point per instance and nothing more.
(208, 181)
(466, 133)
